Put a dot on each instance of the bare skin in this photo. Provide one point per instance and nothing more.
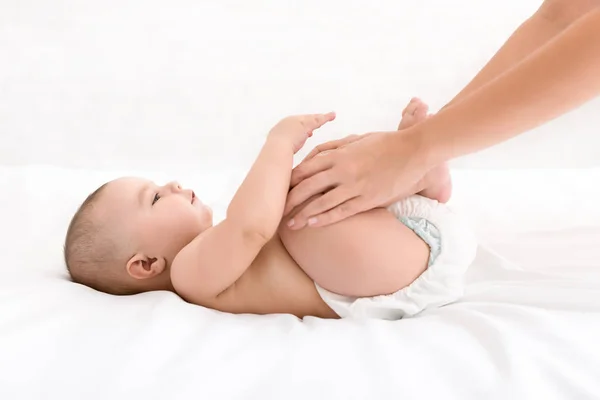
(438, 183)
(340, 258)
(248, 262)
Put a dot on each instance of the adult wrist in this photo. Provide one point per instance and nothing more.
(426, 152)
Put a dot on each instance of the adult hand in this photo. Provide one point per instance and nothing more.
(332, 145)
(364, 174)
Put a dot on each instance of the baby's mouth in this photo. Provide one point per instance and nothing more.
(193, 197)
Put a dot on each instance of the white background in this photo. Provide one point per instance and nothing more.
(120, 84)
(150, 84)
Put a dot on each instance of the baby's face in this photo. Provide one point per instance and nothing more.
(154, 219)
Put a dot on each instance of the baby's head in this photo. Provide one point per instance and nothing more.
(125, 235)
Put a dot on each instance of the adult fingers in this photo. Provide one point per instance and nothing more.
(320, 205)
(307, 188)
(309, 168)
(347, 209)
(331, 145)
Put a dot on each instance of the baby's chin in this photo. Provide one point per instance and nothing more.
(207, 216)
(196, 202)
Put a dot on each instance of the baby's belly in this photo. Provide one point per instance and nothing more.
(275, 284)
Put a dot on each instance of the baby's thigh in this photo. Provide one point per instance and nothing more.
(368, 254)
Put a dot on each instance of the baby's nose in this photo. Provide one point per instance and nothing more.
(174, 186)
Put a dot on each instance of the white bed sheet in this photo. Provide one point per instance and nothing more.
(520, 331)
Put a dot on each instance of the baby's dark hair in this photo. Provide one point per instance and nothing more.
(92, 255)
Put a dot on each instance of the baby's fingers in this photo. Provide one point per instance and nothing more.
(314, 121)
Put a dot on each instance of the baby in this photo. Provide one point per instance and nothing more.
(132, 236)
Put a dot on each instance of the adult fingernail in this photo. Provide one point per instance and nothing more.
(312, 221)
(291, 222)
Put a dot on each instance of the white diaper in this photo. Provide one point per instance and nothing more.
(452, 249)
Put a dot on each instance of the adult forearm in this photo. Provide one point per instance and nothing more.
(546, 23)
(558, 77)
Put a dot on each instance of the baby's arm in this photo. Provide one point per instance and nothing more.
(217, 258)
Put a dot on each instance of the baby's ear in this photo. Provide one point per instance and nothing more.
(141, 266)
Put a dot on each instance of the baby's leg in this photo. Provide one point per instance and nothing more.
(368, 254)
(371, 253)
(437, 184)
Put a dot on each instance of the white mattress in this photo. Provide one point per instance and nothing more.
(520, 332)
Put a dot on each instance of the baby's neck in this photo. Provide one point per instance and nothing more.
(161, 282)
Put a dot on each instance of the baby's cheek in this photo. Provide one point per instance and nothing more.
(185, 225)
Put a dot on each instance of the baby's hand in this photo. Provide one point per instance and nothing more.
(297, 128)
